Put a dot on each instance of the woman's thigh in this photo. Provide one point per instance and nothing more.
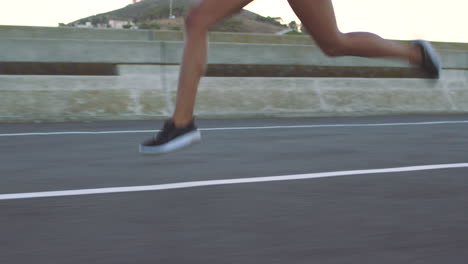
(318, 17)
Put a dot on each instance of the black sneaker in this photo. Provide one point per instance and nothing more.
(171, 138)
(431, 61)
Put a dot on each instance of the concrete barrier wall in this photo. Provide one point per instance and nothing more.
(157, 35)
(141, 35)
(170, 52)
(145, 86)
(134, 95)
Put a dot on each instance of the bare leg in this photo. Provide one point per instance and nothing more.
(318, 17)
(200, 18)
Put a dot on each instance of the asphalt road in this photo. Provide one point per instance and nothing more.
(412, 217)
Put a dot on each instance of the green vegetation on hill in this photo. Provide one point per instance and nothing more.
(95, 20)
(162, 11)
(269, 20)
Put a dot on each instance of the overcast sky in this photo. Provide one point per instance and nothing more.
(397, 19)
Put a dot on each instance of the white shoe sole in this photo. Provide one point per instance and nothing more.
(173, 145)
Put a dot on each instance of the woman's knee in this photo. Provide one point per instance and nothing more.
(195, 21)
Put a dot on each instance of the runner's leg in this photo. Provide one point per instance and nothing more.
(318, 17)
(200, 18)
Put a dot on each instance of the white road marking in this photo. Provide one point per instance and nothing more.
(193, 184)
(236, 128)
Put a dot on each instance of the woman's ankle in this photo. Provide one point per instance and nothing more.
(181, 122)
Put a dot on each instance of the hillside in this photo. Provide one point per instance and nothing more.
(154, 14)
